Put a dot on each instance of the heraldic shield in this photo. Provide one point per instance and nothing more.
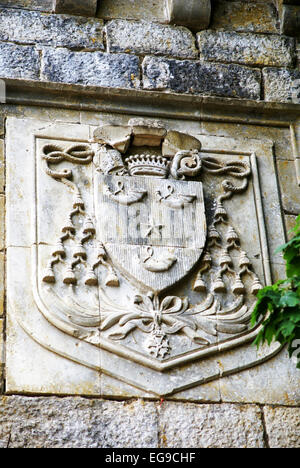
(153, 229)
(138, 262)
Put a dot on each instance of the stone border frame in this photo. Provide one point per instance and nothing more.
(232, 361)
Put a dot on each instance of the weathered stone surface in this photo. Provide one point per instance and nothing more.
(244, 16)
(76, 423)
(87, 68)
(148, 10)
(282, 427)
(76, 7)
(290, 191)
(2, 283)
(43, 5)
(14, 60)
(246, 48)
(201, 78)
(195, 15)
(210, 426)
(290, 19)
(32, 27)
(2, 217)
(281, 85)
(2, 171)
(150, 38)
(290, 223)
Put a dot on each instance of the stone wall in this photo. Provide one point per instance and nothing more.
(241, 57)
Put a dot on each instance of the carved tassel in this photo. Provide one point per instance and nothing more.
(49, 276)
(218, 286)
(225, 259)
(238, 287)
(199, 285)
(112, 280)
(69, 277)
(91, 279)
(79, 251)
(59, 250)
(256, 286)
(88, 227)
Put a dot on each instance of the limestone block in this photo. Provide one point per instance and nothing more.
(150, 38)
(242, 16)
(201, 78)
(281, 85)
(211, 426)
(282, 427)
(93, 69)
(290, 223)
(290, 19)
(2, 162)
(77, 423)
(2, 284)
(32, 27)
(194, 15)
(2, 217)
(147, 10)
(14, 60)
(289, 187)
(245, 48)
(42, 5)
(75, 7)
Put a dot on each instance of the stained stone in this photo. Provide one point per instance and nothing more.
(32, 27)
(77, 423)
(2, 162)
(43, 5)
(281, 84)
(248, 49)
(289, 187)
(244, 16)
(211, 426)
(282, 427)
(86, 68)
(14, 61)
(150, 38)
(1, 284)
(201, 78)
(76, 7)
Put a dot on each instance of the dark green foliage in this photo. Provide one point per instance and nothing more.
(278, 306)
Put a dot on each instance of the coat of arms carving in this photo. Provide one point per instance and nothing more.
(148, 263)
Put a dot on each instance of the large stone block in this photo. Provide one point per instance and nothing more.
(87, 68)
(2, 217)
(2, 284)
(244, 16)
(282, 85)
(43, 5)
(211, 426)
(19, 61)
(150, 38)
(2, 171)
(245, 48)
(201, 78)
(75, 7)
(195, 15)
(282, 427)
(76, 423)
(290, 191)
(32, 27)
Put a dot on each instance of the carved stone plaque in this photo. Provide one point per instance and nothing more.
(135, 253)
